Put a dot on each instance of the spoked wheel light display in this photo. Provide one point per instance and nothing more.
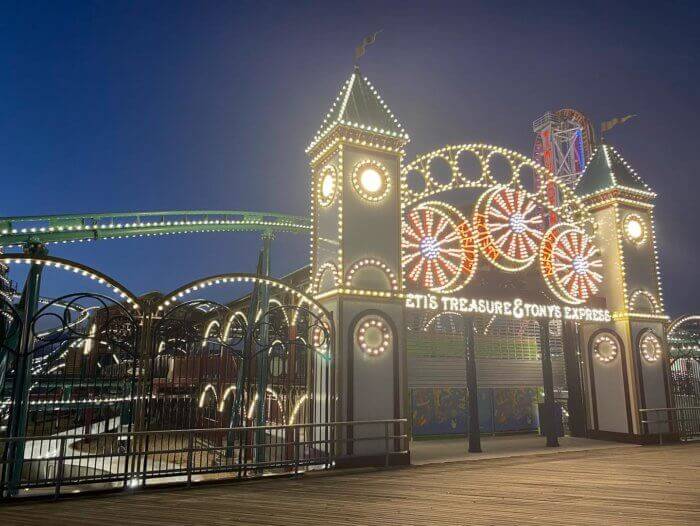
(439, 250)
(509, 228)
(570, 263)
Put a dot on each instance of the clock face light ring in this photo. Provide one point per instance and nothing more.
(371, 180)
(327, 186)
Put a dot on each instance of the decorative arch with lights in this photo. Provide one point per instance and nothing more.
(509, 224)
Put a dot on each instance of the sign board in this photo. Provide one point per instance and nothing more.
(515, 308)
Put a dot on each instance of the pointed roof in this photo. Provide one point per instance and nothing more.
(607, 170)
(359, 105)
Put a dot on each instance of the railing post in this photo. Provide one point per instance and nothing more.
(127, 455)
(190, 437)
(60, 461)
(297, 434)
(386, 444)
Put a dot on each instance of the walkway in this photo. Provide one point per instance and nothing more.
(643, 485)
(455, 449)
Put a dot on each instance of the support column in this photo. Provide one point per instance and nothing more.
(236, 418)
(572, 364)
(262, 356)
(548, 382)
(22, 380)
(472, 387)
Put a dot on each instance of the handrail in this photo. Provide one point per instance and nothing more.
(212, 429)
(667, 408)
(668, 419)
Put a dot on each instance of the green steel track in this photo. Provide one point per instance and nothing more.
(49, 229)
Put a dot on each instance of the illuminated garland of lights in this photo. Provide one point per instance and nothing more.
(439, 249)
(681, 320)
(238, 278)
(285, 223)
(229, 323)
(618, 195)
(635, 229)
(359, 292)
(78, 269)
(508, 228)
(621, 254)
(371, 180)
(646, 294)
(647, 192)
(327, 186)
(208, 330)
(371, 262)
(320, 273)
(373, 335)
(328, 125)
(320, 338)
(571, 208)
(568, 262)
(650, 346)
(434, 318)
(297, 407)
(657, 268)
(605, 347)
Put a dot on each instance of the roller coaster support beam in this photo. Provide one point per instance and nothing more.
(262, 357)
(20, 389)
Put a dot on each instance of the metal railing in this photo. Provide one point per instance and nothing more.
(683, 420)
(62, 464)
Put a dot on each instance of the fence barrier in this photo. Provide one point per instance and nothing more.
(685, 420)
(66, 463)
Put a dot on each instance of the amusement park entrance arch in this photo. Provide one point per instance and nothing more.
(504, 270)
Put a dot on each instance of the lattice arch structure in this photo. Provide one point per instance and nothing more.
(570, 209)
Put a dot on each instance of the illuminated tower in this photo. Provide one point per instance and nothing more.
(356, 254)
(626, 363)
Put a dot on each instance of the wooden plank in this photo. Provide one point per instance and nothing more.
(645, 485)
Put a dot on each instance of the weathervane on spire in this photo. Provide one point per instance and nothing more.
(609, 125)
(368, 40)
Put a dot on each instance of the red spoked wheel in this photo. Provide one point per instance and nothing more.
(439, 249)
(509, 227)
(569, 261)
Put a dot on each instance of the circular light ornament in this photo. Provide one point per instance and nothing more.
(370, 180)
(570, 263)
(439, 247)
(635, 229)
(327, 186)
(650, 347)
(605, 347)
(508, 225)
(373, 335)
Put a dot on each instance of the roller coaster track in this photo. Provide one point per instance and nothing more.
(68, 228)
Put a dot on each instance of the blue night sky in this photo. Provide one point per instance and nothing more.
(111, 106)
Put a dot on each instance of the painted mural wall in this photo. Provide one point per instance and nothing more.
(444, 411)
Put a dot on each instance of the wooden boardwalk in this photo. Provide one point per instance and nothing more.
(639, 486)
